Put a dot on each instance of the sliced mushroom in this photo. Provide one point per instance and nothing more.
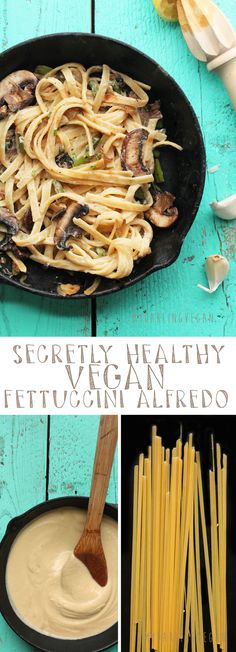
(17, 90)
(162, 213)
(21, 253)
(59, 213)
(150, 111)
(65, 227)
(132, 152)
(9, 221)
(27, 221)
(64, 160)
(10, 145)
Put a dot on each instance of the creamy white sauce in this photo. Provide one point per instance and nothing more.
(51, 590)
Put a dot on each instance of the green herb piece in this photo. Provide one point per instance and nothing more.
(84, 158)
(49, 114)
(42, 70)
(93, 167)
(55, 132)
(96, 140)
(57, 186)
(33, 173)
(20, 143)
(158, 172)
(93, 85)
(79, 161)
(116, 86)
(139, 195)
(100, 251)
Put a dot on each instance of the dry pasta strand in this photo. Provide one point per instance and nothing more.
(169, 531)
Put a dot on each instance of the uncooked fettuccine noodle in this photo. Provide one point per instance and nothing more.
(170, 550)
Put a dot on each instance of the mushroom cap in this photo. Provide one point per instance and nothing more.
(64, 160)
(162, 213)
(11, 223)
(17, 90)
(10, 142)
(27, 221)
(9, 220)
(65, 226)
(151, 110)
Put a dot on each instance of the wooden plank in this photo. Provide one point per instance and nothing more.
(36, 316)
(29, 18)
(23, 458)
(23, 455)
(169, 302)
(72, 449)
(25, 314)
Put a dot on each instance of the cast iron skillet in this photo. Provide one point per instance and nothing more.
(184, 172)
(39, 641)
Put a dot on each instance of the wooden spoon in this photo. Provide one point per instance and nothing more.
(89, 549)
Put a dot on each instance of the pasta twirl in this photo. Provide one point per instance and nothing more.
(77, 173)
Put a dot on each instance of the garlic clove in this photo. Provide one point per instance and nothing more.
(216, 268)
(226, 209)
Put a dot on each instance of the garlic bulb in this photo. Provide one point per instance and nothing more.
(226, 209)
(217, 268)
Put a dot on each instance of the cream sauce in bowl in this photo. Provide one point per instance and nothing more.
(52, 591)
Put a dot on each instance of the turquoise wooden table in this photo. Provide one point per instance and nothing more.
(40, 459)
(168, 302)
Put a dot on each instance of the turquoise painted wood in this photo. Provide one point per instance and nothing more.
(19, 21)
(25, 479)
(23, 457)
(77, 434)
(169, 302)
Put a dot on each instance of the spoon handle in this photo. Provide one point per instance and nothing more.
(106, 444)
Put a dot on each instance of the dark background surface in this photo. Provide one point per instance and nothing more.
(136, 436)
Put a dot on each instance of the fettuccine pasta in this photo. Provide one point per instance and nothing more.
(78, 150)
